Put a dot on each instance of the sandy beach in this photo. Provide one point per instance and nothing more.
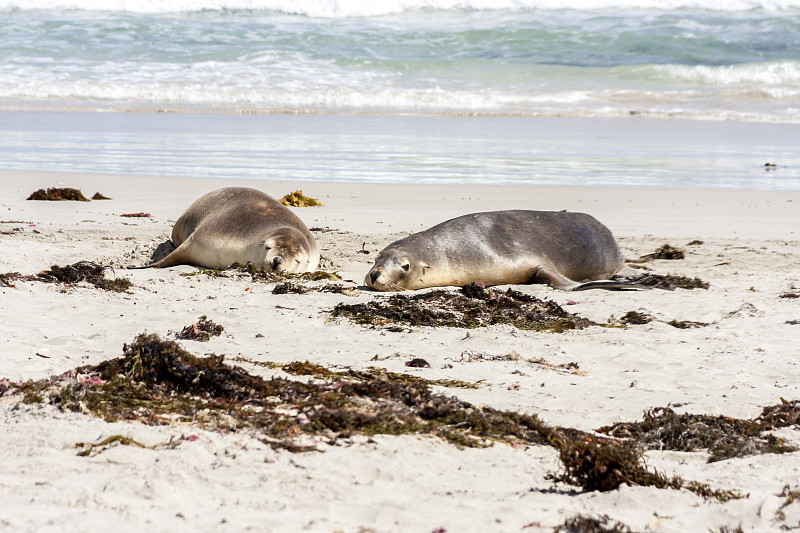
(741, 359)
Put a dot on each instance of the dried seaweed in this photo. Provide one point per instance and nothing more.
(99, 196)
(86, 271)
(471, 307)
(723, 437)
(58, 194)
(686, 324)
(158, 382)
(136, 215)
(8, 279)
(666, 251)
(202, 330)
(635, 318)
(669, 282)
(588, 524)
(298, 199)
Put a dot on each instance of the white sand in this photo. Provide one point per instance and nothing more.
(745, 359)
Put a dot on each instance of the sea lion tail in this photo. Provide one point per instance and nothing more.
(609, 286)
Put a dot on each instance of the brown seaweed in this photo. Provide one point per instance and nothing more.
(99, 196)
(471, 307)
(635, 318)
(723, 437)
(589, 524)
(202, 330)
(58, 194)
(158, 382)
(86, 271)
(669, 282)
(666, 251)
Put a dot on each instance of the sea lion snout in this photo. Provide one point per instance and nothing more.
(276, 262)
(374, 274)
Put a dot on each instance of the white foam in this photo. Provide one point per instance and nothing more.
(367, 8)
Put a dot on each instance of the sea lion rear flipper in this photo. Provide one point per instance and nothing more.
(548, 275)
(609, 286)
(176, 257)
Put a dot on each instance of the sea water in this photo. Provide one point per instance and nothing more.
(472, 91)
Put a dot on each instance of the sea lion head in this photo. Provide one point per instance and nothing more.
(396, 270)
(286, 251)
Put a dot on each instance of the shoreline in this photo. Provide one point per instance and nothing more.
(741, 360)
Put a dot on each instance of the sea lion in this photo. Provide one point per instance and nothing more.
(567, 251)
(241, 225)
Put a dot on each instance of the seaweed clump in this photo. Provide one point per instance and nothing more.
(669, 282)
(471, 307)
(59, 194)
(298, 199)
(7, 279)
(666, 251)
(86, 271)
(202, 330)
(635, 318)
(588, 524)
(724, 437)
(158, 382)
(99, 196)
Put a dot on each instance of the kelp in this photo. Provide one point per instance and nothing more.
(590, 524)
(470, 307)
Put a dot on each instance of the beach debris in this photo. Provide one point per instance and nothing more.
(668, 282)
(58, 194)
(724, 437)
(157, 382)
(695, 242)
(298, 199)
(770, 167)
(202, 330)
(287, 287)
(666, 251)
(635, 318)
(100, 196)
(470, 307)
(590, 524)
(7, 279)
(136, 215)
(686, 324)
(418, 362)
(789, 295)
(89, 449)
(86, 271)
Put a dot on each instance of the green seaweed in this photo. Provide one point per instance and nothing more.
(471, 307)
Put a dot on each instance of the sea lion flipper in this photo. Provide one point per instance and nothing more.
(609, 286)
(549, 275)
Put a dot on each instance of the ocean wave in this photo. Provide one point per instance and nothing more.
(370, 8)
(770, 74)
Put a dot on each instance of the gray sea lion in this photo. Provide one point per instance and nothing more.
(241, 225)
(567, 251)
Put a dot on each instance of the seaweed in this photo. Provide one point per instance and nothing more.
(202, 330)
(92, 273)
(58, 194)
(8, 279)
(588, 524)
(471, 307)
(99, 196)
(298, 199)
(259, 274)
(158, 382)
(724, 437)
(635, 317)
(669, 282)
(695, 242)
(136, 215)
(91, 449)
(666, 251)
(288, 287)
(789, 295)
(686, 324)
